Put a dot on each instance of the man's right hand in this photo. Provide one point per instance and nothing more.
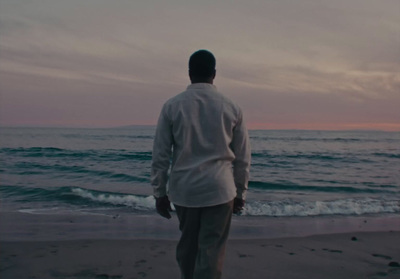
(238, 205)
(163, 207)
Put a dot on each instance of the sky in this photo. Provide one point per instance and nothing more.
(289, 64)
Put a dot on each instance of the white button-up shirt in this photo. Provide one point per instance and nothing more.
(201, 134)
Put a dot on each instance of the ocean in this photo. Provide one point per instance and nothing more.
(294, 173)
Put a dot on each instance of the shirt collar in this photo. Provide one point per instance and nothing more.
(208, 86)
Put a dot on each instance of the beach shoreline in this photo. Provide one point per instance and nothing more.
(132, 246)
(349, 255)
(23, 226)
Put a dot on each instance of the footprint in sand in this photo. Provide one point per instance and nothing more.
(102, 276)
(381, 274)
(140, 262)
(106, 276)
(382, 256)
(152, 248)
(245, 256)
(332, 250)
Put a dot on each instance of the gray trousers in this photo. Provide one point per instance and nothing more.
(201, 248)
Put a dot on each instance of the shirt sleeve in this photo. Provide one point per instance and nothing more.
(162, 151)
(241, 164)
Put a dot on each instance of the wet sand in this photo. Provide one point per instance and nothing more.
(127, 246)
(355, 255)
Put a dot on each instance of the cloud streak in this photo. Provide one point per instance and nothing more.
(287, 63)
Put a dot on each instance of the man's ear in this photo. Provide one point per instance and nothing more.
(190, 75)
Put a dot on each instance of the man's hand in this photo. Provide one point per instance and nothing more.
(163, 207)
(238, 205)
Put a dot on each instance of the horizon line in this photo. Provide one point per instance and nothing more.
(348, 129)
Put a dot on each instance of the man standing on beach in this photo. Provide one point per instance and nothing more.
(201, 134)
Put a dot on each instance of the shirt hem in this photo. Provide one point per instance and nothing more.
(203, 205)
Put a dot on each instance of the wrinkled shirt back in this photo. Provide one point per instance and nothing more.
(202, 136)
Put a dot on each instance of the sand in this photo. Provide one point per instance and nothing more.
(355, 255)
(98, 246)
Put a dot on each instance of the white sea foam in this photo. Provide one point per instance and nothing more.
(285, 207)
(313, 208)
(137, 202)
(40, 211)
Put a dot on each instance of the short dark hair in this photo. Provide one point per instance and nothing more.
(202, 64)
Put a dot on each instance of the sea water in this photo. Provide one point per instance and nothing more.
(293, 173)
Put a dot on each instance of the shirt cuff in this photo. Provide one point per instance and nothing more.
(159, 192)
(241, 194)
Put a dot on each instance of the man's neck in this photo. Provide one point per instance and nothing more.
(210, 81)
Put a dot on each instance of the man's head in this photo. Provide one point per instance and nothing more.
(202, 67)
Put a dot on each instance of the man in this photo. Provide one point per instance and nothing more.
(205, 136)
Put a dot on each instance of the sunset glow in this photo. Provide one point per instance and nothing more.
(324, 65)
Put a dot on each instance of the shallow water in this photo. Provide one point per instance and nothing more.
(293, 173)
